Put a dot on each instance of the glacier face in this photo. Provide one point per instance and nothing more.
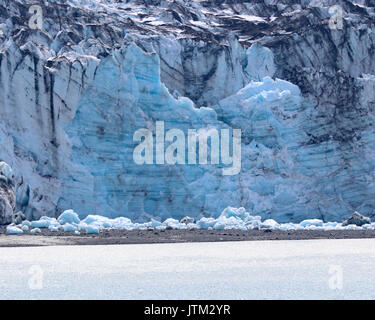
(72, 96)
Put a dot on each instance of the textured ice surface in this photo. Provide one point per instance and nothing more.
(6, 170)
(7, 194)
(71, 99)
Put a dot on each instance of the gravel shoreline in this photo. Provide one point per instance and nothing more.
(106, 237)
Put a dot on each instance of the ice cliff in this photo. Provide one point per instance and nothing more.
(73, 94)
(7, 194)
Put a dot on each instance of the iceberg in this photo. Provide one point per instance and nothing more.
(13, 230)
(68, 216)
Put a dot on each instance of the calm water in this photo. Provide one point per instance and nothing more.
(313, 269)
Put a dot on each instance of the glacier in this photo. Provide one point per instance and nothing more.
(73, 94)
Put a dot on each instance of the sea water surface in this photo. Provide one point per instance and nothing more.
(301, 269)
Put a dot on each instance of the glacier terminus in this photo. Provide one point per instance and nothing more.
(294, 95)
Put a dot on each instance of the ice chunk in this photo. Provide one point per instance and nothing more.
(352, 227)
(91, 229)
(53, 228)
(174, 224)
(255, 224)
(155, 223)
(104, 222)
(235, 212)
(69, 228)
(13, 230)
(68, 216)
(206, 223)
(311, 222)
(40, 224)
(26, 223)
(269, 224)
(229, 223)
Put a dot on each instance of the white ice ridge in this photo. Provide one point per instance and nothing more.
(230, 219)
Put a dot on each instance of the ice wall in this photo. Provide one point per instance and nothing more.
(85, 157)
(71, 100)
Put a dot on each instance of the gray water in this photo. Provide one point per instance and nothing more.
(312, 269)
